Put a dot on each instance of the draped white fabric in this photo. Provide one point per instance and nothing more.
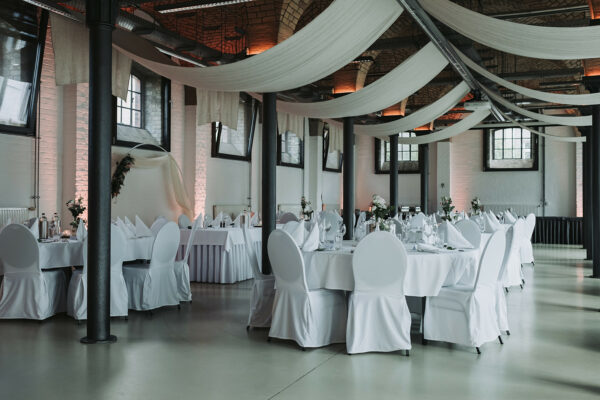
(70, 41)
(418, 118)
(551, 119)
(525, 40)
(212, 106)
(569, 139)
(573, 99)
(336, 138)
(392, 88)
(290, 123)
(342, 31)
(460, 127)
(181, 195)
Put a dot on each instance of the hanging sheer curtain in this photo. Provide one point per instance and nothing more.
(214, 106)
(290, 123)
(525, 40)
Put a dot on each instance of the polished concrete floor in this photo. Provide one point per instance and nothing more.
(203, 352)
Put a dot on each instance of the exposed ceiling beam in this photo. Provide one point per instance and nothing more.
(541, 13)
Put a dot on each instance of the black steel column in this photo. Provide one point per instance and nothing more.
(593, 85)
(394, 174)
(269, 165)
(100, 20)
(424, 167)
(349, 177)
(588, 208)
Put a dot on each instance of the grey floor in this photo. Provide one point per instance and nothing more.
(203, 352)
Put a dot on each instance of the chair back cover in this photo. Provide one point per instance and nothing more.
(190, 241)
(165, 246)
(184, 221)
(379, 264)
(117, 248)
(157, 224)
(19, 251)
(470, 230)
(530, 225)
(286, 261)
(252, 256)
(491, 260)
(287, 217)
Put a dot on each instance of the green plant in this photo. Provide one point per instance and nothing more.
(447, 207)
(76, 208)
(118, 178)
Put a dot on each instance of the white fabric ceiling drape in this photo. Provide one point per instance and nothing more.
(568, 139)
(460, 127)
(418, 118)
(70, 41)
(212, 106)
(290, 123)
(525, 40)
(572, 99)
(551, 119)
(336, 138)
(392, 88)
(333, 39)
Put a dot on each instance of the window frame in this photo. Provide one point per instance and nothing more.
(379, 171)
(281, 163)
(131, 109)
(215, 136)
(326, 154)
(30, 130)
(488, 152)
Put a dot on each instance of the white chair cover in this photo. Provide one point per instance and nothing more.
(184, 221)
(378, 316)
(27, 291)
(452, 237)
(263, 289)
(158, 223)
(470, 231)
(287, 217)
(512, 269)
(312, 318)
(296, 231)
(182, 267)
(491, 223)
(77, 294)
(501, 306)
(526, 247)
(467, 315)
(152, 286)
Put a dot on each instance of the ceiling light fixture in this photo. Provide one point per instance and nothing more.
(57, 9)
(195, 5)
(181, 57)
(362, 59)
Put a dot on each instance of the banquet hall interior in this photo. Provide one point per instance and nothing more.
(299, 199)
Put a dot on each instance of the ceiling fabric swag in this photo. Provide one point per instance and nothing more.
(212, 106)
(551, 43)
(551, 119)
(567, 139)
(290, 123)
(460, 127)
(571, 99)
(343, 31)
(398, 84)
(70, 41)
(419, 118)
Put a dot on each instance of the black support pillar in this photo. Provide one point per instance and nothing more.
(349, 177)
(394, 174)
(593, 85)
(588, 209)
(100, 16)
(269, 166)
(424, 167)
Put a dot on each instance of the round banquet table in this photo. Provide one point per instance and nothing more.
(426, 273)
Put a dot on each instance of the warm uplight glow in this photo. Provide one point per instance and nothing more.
(594, 12)
(428, 127)
(591, 67)
(391, 112)
(344, 89)
(258, 48)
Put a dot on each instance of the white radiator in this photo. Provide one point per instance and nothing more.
(519, 209)
(15, 215)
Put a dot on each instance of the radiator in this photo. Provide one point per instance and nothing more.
(519, 209)
(16, 215)
(558, 230)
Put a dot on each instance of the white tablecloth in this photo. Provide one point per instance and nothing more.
(219, 255)
(426, 273)
(70, 253)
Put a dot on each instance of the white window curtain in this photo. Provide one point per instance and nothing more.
(212, 106)
(343, 31)
(336, 138)
(70, 41)
(290, 123)
(525, 40)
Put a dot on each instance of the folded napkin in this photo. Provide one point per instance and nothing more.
(296, 230)
(227, 219)
(428, 248)
(418, 221)
(493, 217)
(312, 239)
(141, 230)
(130, 225)
(217, 221)
(509, 218)
(34, 228)
(254, 220)
(128, 233)
(81, 232)
(236, 221)
(491, 225)
(452, 237)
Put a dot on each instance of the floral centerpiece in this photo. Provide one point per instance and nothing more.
(447, 207)
(381, 212)
(307, 210)
(476, 206)
(76, 208)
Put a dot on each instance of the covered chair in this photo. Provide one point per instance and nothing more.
(526, 247)
(501, 305)
(182, 268)
(287, 217)
(158, 223)
(513, 274)
(263, 290)
(470, 230)
(467, 315)
(28, 292)
(77, 295)
(154, 285)
(312, 318)
(378, 316)
(184, 222)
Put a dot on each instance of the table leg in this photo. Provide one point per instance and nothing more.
(423, 304)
